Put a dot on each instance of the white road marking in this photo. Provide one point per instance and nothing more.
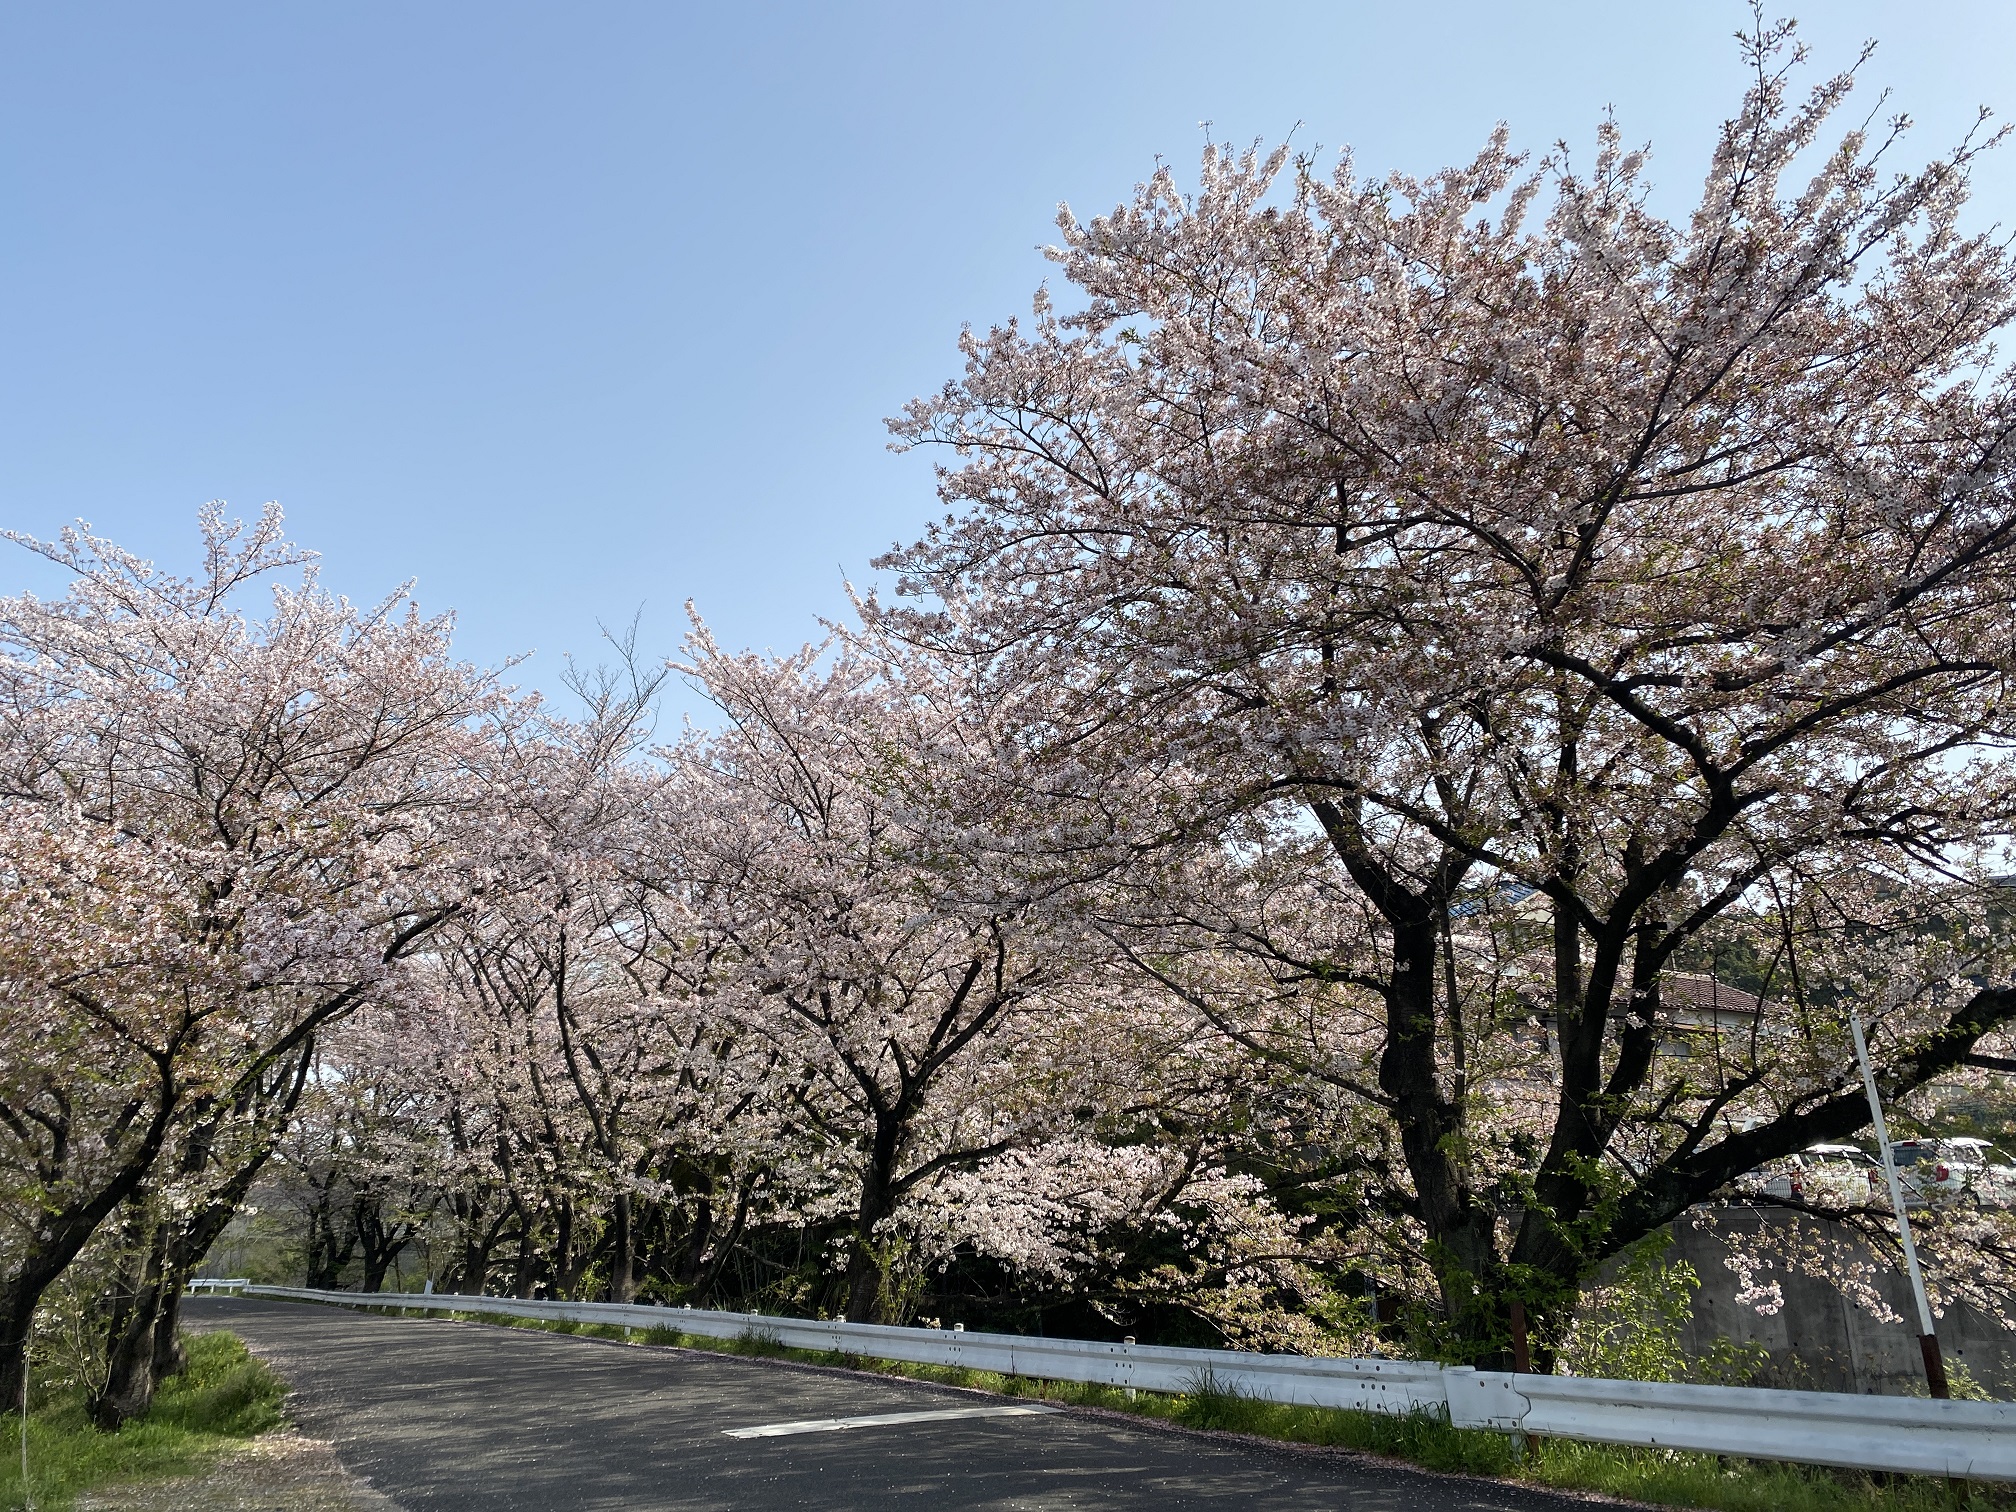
(882, 1420)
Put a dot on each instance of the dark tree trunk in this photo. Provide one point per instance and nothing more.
(1462, 1238)
(868, 1298)
(380, 1245)
(570, 1260)
(171, 1353)
(145, 1346)
(725, 1250)
(19, 1297)
(328, 1251)
(190, 1241)
(130, 1338)
(530, 1267)
(695, 1253)
(60, 1239)
(378, 1259)
(622, 1250)
(382, 1242)
(1432, 1126)
(471, 1271)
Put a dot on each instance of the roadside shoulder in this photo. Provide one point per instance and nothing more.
(285, 1469)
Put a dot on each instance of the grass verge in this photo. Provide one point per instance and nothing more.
(224, 1396)
(1670, 1478)
(1662, 1477)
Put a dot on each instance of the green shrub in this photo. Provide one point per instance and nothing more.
(1631, 1327)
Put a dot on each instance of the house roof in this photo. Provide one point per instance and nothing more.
(1686, 990)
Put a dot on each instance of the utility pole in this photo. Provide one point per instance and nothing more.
(1928, 1338)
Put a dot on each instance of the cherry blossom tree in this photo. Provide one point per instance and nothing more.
(889, 950)
(90, 1096)
(557, 952)
(1516, 541)
(359, 1167)
(275, 806)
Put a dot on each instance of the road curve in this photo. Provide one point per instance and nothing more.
(463, 1417)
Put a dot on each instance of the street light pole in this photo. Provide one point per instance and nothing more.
(1928, 1338)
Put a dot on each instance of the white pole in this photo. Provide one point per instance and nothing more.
(1925, 1329)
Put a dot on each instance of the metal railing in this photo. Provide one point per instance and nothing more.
(219, 1284)
(1912, 1434)
(1908, 1434)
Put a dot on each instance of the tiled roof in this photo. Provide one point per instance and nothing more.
(1686, 990)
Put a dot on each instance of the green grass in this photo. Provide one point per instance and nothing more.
(1670, 1478)
(1662, 1477)
(225, 1395)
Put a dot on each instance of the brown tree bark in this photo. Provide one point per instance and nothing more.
(130, 1335)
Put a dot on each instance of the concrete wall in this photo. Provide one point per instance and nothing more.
(1821, 1341)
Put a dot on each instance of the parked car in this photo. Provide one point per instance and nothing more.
(1829, 1175)
(1946, 1170)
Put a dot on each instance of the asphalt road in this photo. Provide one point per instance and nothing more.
(463, 1417)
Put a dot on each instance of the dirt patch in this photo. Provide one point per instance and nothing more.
(280, 1472)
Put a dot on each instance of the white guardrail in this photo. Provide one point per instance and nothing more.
(1971, 1439)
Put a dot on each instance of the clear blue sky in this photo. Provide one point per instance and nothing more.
(572, 308)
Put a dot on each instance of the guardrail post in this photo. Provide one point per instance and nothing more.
(1522, 1364)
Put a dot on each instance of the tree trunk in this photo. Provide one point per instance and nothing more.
(19, 1297)
(378, 1258)
(867, 1291)
(144, 1345)
(473, 1272)
(382, 1242)
(703, 1288)
(130, 1341)
(18, 1300)
(328, 1253)
(187, 1245)
(622, 1250)
(1461, 1247)
(696, 1241)
(472, 1269)
(525, 1274)
(171, 1353)
(567, 1266)
(59, 1240)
